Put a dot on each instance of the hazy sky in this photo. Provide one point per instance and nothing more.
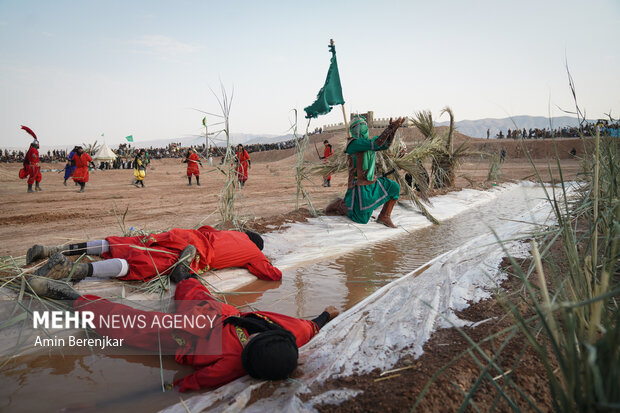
(72, 70)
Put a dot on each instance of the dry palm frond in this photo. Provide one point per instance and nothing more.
(334, 164)
(91, 148)
(411, 162)
(449, 141)
(424, 122)
(444, 165)
(387, 165)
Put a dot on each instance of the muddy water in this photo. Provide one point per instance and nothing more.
(346, 280)
(125, 383)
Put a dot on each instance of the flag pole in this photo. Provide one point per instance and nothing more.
(344, 113)
(346, 124)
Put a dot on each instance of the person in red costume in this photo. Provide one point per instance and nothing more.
(259, 343)
(31, 167)
(82, 160)
(192, 161)
(146, 256)
(243, 164)
(327, 152)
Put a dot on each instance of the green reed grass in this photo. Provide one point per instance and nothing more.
(574, 330)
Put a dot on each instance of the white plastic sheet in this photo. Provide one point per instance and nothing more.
(394, 321)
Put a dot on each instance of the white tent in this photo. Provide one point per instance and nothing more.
(104, 154)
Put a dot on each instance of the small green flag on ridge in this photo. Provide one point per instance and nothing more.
(204, 121)
(129, 138)
(330, 94)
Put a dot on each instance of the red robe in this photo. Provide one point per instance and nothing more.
(192, 165)
(326, 154)
(214, 250)
(211, 370)
(81, 167)
(31, 166)
(242, 159)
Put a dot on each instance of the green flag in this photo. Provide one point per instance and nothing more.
(330, 94)
(129, 138)
(204, 121)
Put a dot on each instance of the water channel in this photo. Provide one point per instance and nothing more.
(112, 383)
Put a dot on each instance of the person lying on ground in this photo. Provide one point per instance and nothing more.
(259, 343)
(146, 256)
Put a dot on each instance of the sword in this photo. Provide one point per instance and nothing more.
(388, 173)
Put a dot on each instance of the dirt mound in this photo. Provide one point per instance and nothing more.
(536, 148)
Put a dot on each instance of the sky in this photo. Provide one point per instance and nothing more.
(74, 70)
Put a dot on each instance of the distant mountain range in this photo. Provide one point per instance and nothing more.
(478, 128)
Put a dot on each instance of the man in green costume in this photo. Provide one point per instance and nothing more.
(366, 192)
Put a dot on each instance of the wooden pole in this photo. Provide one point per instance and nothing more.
(346, 124)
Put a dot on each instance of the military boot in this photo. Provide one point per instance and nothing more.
(57, 290)
(37, 252)
(59, 266)
(182, 269)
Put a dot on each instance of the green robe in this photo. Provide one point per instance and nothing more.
(362, 199)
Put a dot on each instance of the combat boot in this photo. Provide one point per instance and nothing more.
(37, 252)
(59, 266)
(37, 187)
(57, 290)
(182, 269)
(30, 191)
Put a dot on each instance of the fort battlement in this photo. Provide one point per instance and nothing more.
(370, 119)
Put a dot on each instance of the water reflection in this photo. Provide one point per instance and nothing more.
(348, 279)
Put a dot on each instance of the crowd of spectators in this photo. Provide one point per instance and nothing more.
(55, 155)
(125, 153)
(588, 129)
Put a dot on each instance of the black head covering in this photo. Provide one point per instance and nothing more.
(270, 355)
(256, 239)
